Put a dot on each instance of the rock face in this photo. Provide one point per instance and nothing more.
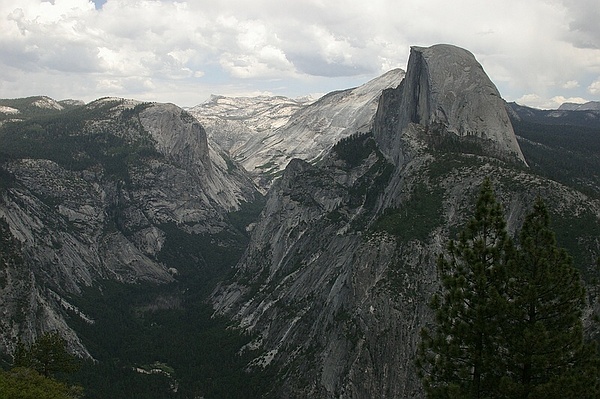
(446, 90)
(336, 280)
(264, 142)
(589, 106)
(96, 200)
(231, 122)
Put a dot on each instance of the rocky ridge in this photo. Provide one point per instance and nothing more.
(341, 265)
(588, 106)
(232, 121)
(264, 144)
(96, 200)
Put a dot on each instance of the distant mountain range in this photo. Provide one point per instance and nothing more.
(264, 133)
(140, 231)
(589, 106)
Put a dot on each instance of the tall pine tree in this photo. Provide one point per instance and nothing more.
(545, 355)
(458, 359)
(508, 324)
(48, 356)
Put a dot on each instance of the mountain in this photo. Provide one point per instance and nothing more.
(232, 121)
(264, 142)
(129, 229)
(115, 190)
(335, 283)
(584, 118)
(589, 106)
(560, 144)
(450, 93)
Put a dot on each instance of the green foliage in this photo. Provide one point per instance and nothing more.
(509, 321)
(442, 142)
(447, 162)
(577, 234)
(26, 108)
(458, 358)
(48, 356)
(7, 179)
(201, 259)
(545, 354)
(24, 383)
(137, 326)
(417, 217)
(356, 148)
(248, 213)
(80, 138)
(565, 153)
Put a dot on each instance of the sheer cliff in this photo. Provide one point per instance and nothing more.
(447, 91)
(336, 280)
(265, 142)
(95, 194)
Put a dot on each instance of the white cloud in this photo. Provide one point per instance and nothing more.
(187, 49)
(560, 100)
(571, 84)
(594, 88)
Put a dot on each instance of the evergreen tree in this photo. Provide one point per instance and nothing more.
(458, 358)
(545, 354)
(509, 321)
(48, 355)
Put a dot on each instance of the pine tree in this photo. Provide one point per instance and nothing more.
(545, 355)
(48, 356)
(458, 358)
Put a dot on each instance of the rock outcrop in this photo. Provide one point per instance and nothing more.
(95, 201)
(266, 142)
(447, 91)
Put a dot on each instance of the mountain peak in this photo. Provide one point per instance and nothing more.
(447, 91)
(588, 106)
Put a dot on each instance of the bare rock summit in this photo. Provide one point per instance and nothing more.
(446, 90)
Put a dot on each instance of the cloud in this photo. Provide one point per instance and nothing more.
(186, 50)
(571, 84)
(536, 101)
(594, 88)
(583, 17)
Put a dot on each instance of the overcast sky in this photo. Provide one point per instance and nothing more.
(538, 52)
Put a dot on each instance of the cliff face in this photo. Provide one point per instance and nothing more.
(335, 282)
(94, 199)
(447, 91)
(340, 268)
(265, 142)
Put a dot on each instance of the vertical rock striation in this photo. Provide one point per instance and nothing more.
(447, 91)
(336, 280)
(96, 200)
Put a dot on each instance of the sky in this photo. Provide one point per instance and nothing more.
(539, 53)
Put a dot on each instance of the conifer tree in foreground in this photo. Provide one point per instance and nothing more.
(545, 354)
(458, 359)
(48, 356)
(508, 324)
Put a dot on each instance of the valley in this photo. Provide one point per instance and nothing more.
(267, 246)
